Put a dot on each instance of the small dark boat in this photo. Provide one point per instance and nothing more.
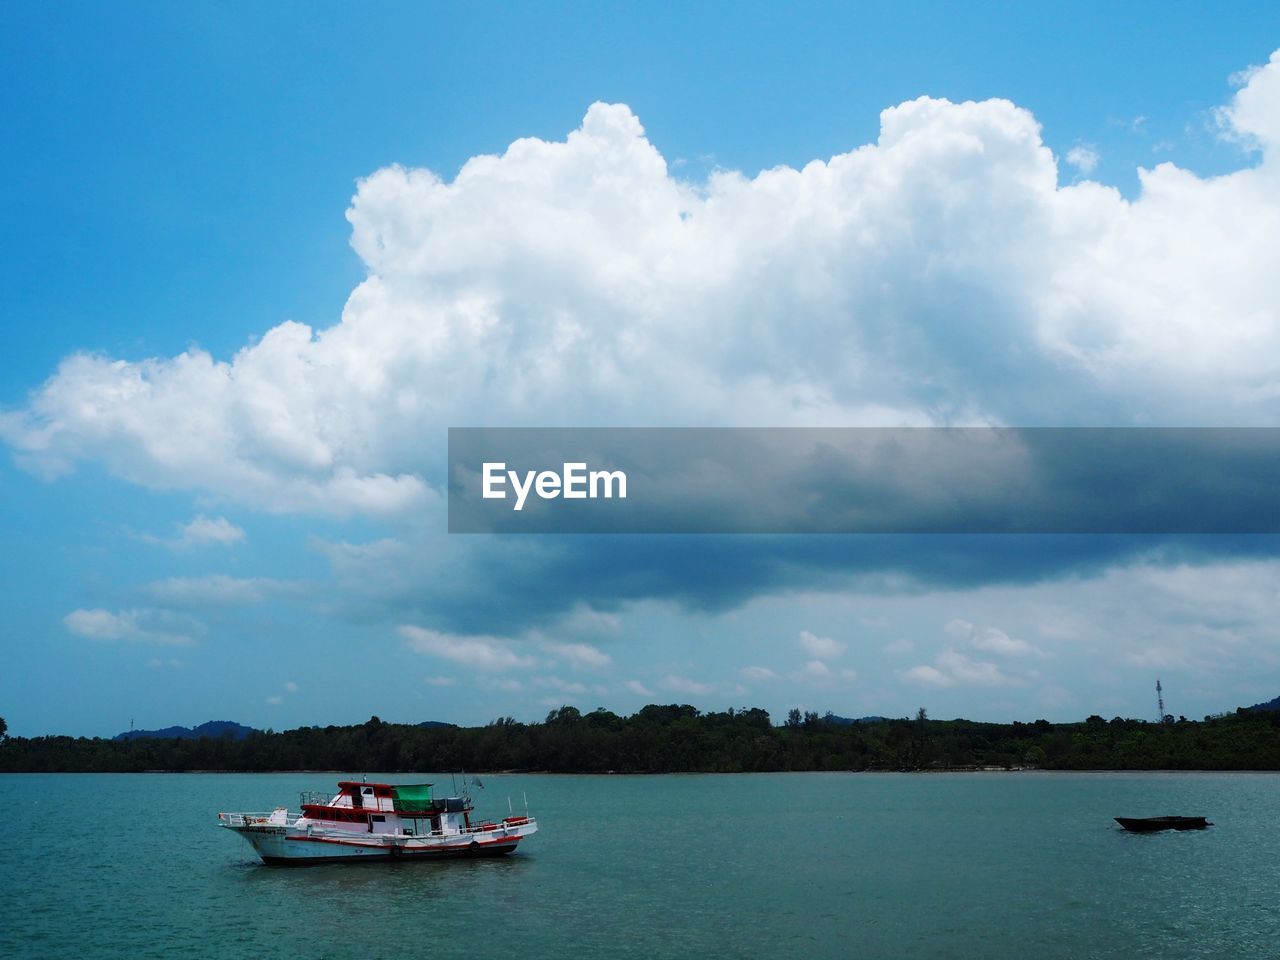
(1152, 824)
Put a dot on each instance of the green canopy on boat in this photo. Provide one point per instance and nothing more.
(411, 797)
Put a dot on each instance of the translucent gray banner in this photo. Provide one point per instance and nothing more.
(864, 480)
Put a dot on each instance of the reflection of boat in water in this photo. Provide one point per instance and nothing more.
(373, 821)
(1152, 824)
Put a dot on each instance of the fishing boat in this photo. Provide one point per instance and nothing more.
(377, 821)
(1152, 824)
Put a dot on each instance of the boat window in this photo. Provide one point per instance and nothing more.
(378, 819)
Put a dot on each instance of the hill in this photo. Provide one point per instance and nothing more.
(217, 729)
(1272, 704)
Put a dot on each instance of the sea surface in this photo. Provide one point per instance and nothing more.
(995, 865)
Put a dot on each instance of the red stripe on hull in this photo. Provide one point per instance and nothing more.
(359, 843)
(489, 850)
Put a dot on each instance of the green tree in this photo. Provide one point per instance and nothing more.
(922, 736)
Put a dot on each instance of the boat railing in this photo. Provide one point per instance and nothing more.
(316, 797)
(245, 819)
(489, 826)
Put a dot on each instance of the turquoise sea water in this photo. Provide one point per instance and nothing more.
(897, 866)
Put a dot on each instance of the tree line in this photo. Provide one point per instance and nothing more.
(679, 738)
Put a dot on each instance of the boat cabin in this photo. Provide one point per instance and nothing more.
(398, 809)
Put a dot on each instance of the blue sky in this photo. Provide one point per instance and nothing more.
(264, 542)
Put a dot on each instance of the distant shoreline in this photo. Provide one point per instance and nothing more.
(679, 738)
(659, 773)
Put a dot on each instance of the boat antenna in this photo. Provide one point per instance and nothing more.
(1160, 700)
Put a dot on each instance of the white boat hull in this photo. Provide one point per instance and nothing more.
(289, 845)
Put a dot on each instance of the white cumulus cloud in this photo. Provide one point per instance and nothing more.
(201, 531)
(952, 667)
(943, 273)
(218, 530)
(475, 651)
(136, 625)
(928, 676)
(993, 640)
(817, 646)
(1084, 157)
(581, 655)
(814, 671)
